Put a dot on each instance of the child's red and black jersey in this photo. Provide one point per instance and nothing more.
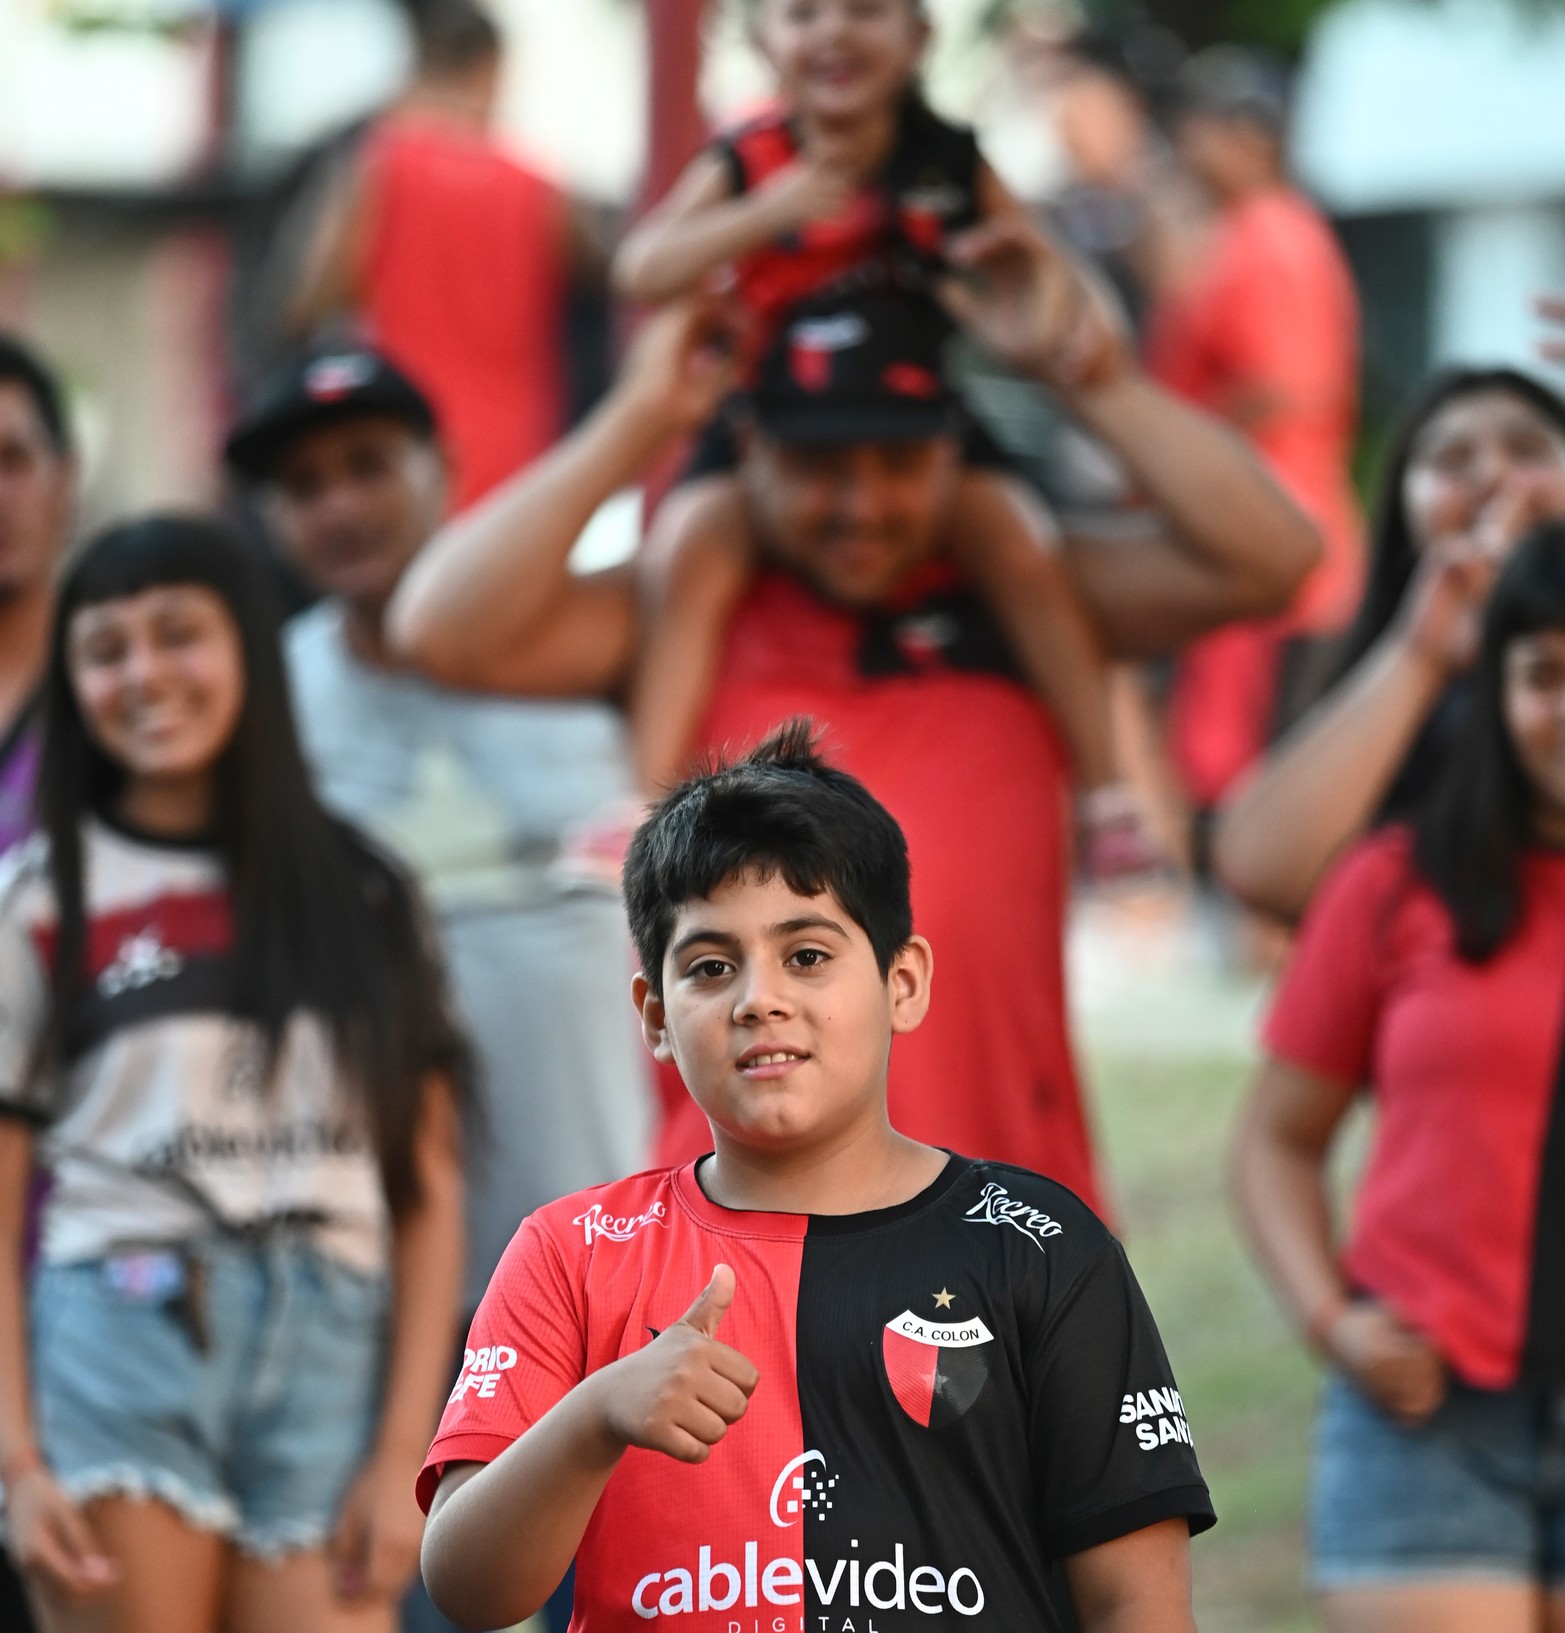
(1458, 1221)
(900, 222)
(955, 1394)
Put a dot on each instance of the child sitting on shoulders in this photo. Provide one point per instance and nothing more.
(826, 1377)
(856, 181)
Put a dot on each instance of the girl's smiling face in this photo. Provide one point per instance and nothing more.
(159, 678)
(1534, 700)
(840, 60)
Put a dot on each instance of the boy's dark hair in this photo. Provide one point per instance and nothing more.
(1472, 832)
(21, 366)
(781, 811)
(453, 36)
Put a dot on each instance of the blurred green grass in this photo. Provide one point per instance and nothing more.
(1164, 1118)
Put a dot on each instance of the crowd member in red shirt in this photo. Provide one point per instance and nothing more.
(454, 257)
(1261, 327)
(1431, 970)
(856, 624)
(937, 1392)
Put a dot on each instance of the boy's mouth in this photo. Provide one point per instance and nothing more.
(769, 1060)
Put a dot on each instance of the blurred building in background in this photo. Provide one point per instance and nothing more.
(1434, 133)
(149, 150)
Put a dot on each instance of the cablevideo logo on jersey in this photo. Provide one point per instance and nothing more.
(849, 1585)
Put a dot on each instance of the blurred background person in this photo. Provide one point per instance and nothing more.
(1477, 461)
(1429, 970)
(481, 796)
(851, 623)
(1123, 202)
(452, 257)
(1261, 328)
(37, 490)
(224, 1035)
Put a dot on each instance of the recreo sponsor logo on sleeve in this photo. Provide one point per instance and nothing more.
(595, 1222)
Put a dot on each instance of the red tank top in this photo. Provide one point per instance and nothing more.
(463, 286)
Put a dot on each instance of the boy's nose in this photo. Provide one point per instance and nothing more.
(760, 997)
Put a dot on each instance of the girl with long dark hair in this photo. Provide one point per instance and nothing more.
(1431, 971)
(223, 1037)
(1478, 460)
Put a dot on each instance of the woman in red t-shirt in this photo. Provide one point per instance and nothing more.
(1431, 968)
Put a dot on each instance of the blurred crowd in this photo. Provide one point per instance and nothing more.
(313, 965)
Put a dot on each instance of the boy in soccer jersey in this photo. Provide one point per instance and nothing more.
(826, 1379)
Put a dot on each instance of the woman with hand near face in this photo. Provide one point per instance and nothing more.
(223, 1037)
(1480, 459)
(1431, 969)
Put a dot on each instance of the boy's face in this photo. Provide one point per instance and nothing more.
(841, 59)
(778, 1017)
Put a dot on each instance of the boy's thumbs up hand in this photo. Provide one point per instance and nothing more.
(712, 1302)
(679, 1393)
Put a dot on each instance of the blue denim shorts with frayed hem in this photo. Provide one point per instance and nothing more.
(245, 1396)
(1476, 1493)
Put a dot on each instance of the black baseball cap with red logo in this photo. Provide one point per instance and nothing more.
(864, 367)
(323, 389)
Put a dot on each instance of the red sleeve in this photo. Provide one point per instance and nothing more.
(1284, 326)
(526, 1351)
(1326, 1010)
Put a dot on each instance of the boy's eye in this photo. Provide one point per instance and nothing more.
(708, 969)
(810, 957)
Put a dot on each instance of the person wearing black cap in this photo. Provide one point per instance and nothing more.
(869, 365)
(854, 620)
(479, 796)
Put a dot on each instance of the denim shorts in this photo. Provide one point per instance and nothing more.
(249, 1416)
(1476, 1492)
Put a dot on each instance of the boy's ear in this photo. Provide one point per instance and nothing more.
(654, 1023)
(909, 979)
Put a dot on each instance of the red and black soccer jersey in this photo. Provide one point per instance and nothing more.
(1459, 1223)
(928, 189)
(955, 1394)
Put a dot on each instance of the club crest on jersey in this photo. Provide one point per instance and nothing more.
(936, 1369)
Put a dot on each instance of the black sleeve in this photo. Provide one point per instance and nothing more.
(1110, 1438)
(727, 154)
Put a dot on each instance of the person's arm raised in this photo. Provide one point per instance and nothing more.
(490, 602)
(500, 1537)
(1231, 544)
(1324, 783)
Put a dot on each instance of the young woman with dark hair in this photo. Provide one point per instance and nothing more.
(1478, 460)
(1431, 970)
(224, 1038)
